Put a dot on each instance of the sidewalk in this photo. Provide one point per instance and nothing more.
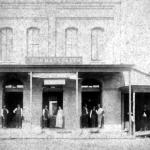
(62, 134)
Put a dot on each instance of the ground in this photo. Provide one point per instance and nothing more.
(75, 144)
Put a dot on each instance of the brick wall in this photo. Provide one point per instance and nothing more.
(111, 97)
(69, 105)
(26, 103)
(37, 102)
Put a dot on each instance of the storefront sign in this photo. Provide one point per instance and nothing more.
(55, 75)
(53, 60)
(54, 82)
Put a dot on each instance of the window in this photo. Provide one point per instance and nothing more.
(97, 37)
(6, 43)
(33, 41)
(71, 41)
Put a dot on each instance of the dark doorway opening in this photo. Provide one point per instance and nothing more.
(126, 110)
(49, 97)
(52, 98)
(11, 100)
(142, 111)
(91, 97)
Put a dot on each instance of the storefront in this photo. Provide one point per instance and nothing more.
(136, 111)
(68, 86)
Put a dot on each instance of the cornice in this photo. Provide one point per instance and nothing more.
(58, 1)
(61, 4)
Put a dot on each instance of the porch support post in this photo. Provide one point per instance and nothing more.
(134, 113)
(122, 111)
(31, 98)
(77, 109)
(130, 123)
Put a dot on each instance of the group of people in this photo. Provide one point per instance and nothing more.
(92, 118)
(46, 117)
(18, 116)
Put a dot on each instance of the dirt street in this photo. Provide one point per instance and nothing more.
(76, 144)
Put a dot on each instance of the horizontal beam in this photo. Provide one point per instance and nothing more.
(65, 68)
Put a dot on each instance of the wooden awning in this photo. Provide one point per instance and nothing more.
(140, 81)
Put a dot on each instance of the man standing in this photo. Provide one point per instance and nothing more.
(4, 114)
(100, 113)
(85, 116)
(45, 116)
(18, 116)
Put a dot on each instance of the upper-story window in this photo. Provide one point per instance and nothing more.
(6, 43)
(33, 41)
(71, 39)
(97, 41)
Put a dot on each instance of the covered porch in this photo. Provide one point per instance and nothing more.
(135, 103)
(110, 77)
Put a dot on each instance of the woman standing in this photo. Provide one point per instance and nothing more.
(100, 113)
(93, 117)
(59, 118)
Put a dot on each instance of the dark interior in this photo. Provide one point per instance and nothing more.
(53, 96)
(142, 100)
(91, 99)
(11, 101)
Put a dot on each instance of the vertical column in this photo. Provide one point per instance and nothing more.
(77, 109)
(122, 111)
(77, 99)
(133, 113)
(1, 95)
(130, 123)
(31, 97)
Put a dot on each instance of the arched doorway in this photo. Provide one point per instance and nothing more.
(91, 96)
(12, 95)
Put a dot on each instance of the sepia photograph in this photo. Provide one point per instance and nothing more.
(74, 74)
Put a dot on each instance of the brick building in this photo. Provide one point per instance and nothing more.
(71, 53)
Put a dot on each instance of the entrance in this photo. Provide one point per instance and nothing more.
(12, 96)
(142, 111)
(52, 98)
(12, 99)
(91, 97)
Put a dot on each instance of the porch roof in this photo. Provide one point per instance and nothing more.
(66, 68)
(140, 81)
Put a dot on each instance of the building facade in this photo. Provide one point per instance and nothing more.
(67, 53)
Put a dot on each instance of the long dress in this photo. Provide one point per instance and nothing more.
(59, 118)
(100, 113)
(93, 118)
(18, 116)
(45, 117)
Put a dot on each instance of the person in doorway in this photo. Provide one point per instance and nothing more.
(100, 113)
(85, 116)
(144, 118)
(45, 115)
(4, 114)
(93, 117)
(18, 116)
(59, 118)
